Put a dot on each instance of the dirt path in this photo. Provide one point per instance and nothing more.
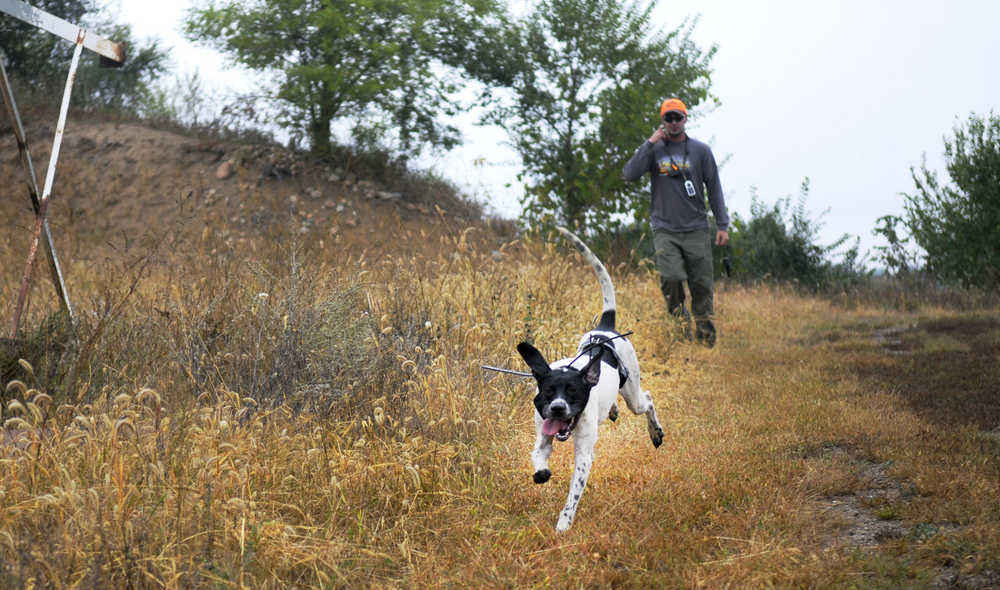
(838, 407)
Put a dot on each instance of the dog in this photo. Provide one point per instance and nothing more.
(576, 394)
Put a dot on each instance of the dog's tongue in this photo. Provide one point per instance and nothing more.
(551, 426)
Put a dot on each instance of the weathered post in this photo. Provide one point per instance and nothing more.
(111, 54)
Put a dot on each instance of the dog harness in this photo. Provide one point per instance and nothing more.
(601, 346)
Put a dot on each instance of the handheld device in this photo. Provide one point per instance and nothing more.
(689, 187)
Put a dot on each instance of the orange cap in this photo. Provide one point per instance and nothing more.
(673, 104)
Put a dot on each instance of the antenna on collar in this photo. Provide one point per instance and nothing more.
(507, 371)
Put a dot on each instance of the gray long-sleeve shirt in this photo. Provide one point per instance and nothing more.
(671, 208)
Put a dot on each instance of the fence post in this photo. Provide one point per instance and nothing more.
(111, 54)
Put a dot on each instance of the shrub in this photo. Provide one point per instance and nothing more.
(956, 225)
(779, 243)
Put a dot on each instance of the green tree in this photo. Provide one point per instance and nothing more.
(382, 63)
(577, 85)
(895, 255)
(127, 88)
(39, 61)
(957, 226)
(35, 56)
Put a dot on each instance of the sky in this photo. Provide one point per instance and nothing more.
(850, 94)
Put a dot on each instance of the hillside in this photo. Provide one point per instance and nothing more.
(118, 184)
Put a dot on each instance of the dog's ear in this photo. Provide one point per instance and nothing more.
(592, 372)
(535, 360)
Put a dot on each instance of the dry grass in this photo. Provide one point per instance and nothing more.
(338, 431)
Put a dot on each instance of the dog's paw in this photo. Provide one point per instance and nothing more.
(613, 413)
(656, 435)
(542, 476)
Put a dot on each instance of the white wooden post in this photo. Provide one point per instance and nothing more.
(112, 53)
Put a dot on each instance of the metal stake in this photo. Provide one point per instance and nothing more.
(113, 55)
(29, 170)
(47, 191)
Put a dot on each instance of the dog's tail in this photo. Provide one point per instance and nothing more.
(607, 288)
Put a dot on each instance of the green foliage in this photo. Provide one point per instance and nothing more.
(779, 242)
(957, 227)
(898, 260)
(34, 55)
(127, 88)
(583, 81)
(379, 64)
(38, 61)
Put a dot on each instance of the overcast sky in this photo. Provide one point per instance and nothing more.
(850, 94)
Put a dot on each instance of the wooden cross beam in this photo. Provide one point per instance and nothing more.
(65, 29)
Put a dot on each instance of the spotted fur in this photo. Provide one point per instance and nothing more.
(576, 394)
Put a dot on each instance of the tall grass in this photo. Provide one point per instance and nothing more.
(269, 412)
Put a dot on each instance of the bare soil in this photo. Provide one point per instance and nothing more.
(132, 182)
(969, 347)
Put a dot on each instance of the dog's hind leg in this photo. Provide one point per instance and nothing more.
(652, 420)
(584, 457)
(637, 399)
(540, 457)
(641, 402)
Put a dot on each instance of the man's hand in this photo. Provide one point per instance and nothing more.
(721, 237)
(659, 135)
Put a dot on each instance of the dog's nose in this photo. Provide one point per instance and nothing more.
(558, 408)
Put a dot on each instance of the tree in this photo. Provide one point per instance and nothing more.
(125, 88)
(583, 82)
(895, 255)
(957, 227)
(39, 60)
(379, 62)
(35, 56)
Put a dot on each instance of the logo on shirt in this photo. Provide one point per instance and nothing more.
(669, 168)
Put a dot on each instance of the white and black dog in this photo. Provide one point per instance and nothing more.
(576, 394)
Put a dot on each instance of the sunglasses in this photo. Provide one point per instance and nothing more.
(673, 118)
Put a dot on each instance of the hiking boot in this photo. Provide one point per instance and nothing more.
(706, 334)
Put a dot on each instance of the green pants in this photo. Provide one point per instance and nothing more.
(687, 257)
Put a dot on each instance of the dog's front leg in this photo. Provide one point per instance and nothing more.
(583, 454)
(540, 455)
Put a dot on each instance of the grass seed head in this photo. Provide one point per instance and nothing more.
(27, 367)
(16, 386)
(16, 423)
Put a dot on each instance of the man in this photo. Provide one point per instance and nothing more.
(682, 171)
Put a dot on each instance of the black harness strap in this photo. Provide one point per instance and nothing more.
(600, 345)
